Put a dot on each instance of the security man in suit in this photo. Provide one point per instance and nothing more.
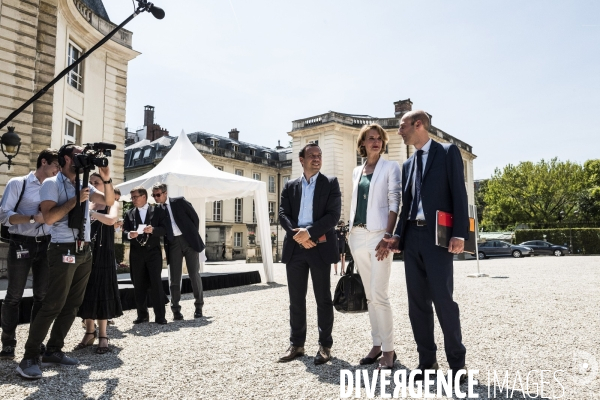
(145, 255)
(182, 240)
(309, 211)
(432, 180)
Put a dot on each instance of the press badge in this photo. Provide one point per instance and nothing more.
(22, 253)
(68, 258)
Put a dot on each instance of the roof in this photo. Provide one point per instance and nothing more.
(98, 8)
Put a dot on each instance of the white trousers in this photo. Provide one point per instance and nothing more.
(375, 276)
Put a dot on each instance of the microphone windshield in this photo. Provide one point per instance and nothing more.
(158, 12)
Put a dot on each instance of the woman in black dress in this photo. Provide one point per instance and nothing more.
(101, 301)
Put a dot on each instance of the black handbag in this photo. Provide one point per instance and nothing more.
(4, 234)
(349, 294)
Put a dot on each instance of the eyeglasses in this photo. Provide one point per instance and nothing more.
(157, 194)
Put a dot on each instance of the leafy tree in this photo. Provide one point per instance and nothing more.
(533, 193)
(589, 206)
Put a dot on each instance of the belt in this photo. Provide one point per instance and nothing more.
(36, 239)
(418, 222)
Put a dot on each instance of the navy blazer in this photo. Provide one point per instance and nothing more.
(442, 188)
(187, 221)
(327, 207)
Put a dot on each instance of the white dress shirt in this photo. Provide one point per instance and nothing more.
(176, 230)
(143, 211)
(420, 213)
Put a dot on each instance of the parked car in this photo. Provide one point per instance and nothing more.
(499, 248)
(543, 247)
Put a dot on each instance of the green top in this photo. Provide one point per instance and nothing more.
(363, 198)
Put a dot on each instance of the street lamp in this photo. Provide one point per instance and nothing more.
(10, 144)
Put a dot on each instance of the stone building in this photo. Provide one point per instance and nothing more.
(337, 133)
(38, 39)
(228, 221)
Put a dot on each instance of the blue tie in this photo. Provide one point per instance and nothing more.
(417, 199)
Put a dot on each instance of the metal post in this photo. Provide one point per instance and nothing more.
(478, 274)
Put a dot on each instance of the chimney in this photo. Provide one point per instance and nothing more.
(402, 107)
(234, 134)
(148, 115)
(278, 145)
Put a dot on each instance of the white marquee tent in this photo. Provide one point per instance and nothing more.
(188, 174)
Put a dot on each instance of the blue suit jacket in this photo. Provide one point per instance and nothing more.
(327, 206)
(442, 188)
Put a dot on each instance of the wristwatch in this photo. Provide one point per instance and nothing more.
(108, 181)
(31, 220)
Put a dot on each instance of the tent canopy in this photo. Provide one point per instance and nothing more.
(187, 173)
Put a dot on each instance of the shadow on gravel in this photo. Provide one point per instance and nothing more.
(148, 329)
(242, 289)
(68, 382)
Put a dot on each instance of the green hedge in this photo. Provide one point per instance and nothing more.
(119, 252)
(585, 240)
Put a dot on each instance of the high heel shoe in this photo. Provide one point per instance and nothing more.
(369, 360)
(389, 366)
(90, 342)
(102, 350)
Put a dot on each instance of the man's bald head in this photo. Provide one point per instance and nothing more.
(418, 115)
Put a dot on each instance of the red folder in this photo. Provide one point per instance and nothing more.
(443, 228)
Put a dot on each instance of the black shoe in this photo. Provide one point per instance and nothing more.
(389, 366)
(198, 313)
(139, 320)
(7, 353)
(463, 378)
(177, 316)
(423, 368)
(369, 360)
(323, 355)
(291, 353)
(161, 321)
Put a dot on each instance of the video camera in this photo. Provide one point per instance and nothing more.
(93, 155)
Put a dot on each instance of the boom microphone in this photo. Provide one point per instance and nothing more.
(158, 12)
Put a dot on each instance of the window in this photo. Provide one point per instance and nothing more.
(239, 205)
(220, 168)
(272, 212)
(252, 152)
(271, 184)
(315, 141)
(214, 142)
(256, 176)
(75, 77)
(237, 239)
(359, 160)
(268, 156)
(147, 152)
(253, 212)
(235, 147)
(286, 179)
(72, 131)
(218, 211)
(239, 172)
(137, 154)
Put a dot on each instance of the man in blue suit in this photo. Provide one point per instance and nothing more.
(432, 180)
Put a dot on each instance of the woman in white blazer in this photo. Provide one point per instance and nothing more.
(373, 213)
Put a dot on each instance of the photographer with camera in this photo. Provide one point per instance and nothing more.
(63, 202)
(28, 244)
(341, 232)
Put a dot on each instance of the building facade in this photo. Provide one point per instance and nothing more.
(38, 39)
(337, 134)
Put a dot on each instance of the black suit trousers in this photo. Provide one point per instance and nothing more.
(301, 263)
(146, 270)
(429, 279)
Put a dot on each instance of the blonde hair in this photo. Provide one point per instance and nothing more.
(362, 135)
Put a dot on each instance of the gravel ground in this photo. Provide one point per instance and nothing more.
(530, 314)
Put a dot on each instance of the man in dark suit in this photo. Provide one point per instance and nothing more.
(309, 211)
(432, 180)
(182, 240)
(145, 254)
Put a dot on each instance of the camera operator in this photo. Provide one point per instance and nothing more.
(29, 238)
(69, 260)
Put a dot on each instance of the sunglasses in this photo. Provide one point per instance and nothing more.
(157, 194)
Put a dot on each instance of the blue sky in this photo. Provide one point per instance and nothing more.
(517, 80)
